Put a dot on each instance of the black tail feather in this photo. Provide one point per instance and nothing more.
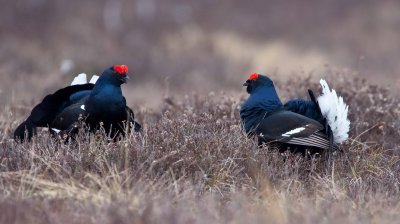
(312, 97)
(136, 126)
(25, 130)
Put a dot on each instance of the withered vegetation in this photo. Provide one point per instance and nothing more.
(193, 164)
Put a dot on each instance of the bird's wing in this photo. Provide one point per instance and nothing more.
(45, 112)
(288, 127)
(69, 116)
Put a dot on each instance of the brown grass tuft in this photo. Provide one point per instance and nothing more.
(192, 163)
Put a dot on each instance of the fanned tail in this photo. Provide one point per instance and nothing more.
(335, 110)
(79, 79)
(94, 79)
(82, 79)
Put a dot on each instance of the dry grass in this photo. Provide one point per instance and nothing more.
(193, 164)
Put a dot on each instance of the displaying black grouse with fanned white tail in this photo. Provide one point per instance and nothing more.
(99, 101)
(328, 109)
(316, 124)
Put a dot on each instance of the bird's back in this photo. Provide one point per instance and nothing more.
(306, 108)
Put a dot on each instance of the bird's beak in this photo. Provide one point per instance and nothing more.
(124, 78)
(245, 84)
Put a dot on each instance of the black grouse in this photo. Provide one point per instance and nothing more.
(98, 102)
(316, 124)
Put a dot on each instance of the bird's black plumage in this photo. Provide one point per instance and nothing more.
(308, 108)
(298, 123)
(43, 114)
(102, 102)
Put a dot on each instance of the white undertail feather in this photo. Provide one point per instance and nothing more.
(82, 79)
(79, 79)
(335, 110)
(94, 78)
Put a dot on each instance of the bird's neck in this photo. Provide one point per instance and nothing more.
(106, 96)
(267, 91)
(106, 81)
(260, 102)
(107, 91)
(265, 97)
(106, 88)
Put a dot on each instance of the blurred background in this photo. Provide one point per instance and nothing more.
(176, 47)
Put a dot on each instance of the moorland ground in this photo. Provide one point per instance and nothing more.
(193, 164)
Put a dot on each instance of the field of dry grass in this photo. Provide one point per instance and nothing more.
(193, 164)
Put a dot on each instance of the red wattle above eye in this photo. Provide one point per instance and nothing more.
(253, 76)
(121, 69)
